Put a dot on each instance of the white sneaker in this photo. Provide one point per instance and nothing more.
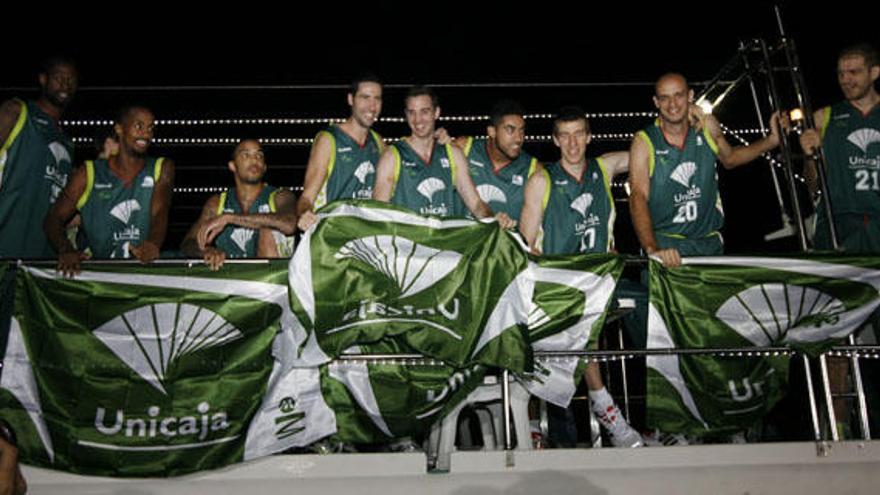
(619, 431)
(662, 439)
(404, 445)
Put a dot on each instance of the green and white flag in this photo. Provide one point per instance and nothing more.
(158, 371)
(456, 290)
(570, 300)
(808, 303)
(448, 289)
(375, 402)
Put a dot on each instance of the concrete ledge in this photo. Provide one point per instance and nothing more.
(784, 468)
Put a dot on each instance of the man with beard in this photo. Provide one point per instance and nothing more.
(416, 173)
(35, 160)
(123, 200)
(252, 219)
(343, 161)
(849, 133)
(674, 200)
(498, 165)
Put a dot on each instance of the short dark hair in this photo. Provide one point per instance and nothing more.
(363, 77)
(239, 143)
(126, 111)
(504, 108)
(49, 63)
(422, 91)
(570, 113)
(864, 50)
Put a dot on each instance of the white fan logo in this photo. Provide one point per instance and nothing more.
(363, 171)
(429, 187)
(124, 210)
(582, 203)
(770, 313)
(59, 151)
(864, 138)
(152, 338)
(241, 237)
(489, 193)
(683, 173)
(412, 266)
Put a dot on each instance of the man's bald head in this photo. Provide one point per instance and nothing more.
(670, 77)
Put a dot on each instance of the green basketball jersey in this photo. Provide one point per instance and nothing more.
(502, 190)
(426, 188)
(684, 200)
(351, 172)
(241, 242)
(115, 216)
(578, 211)
(851, 142)
(34, 163)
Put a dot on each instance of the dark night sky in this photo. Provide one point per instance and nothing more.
(463, 41)
(153, 43)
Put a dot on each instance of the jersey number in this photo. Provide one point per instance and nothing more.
(588, 240)
(686, 213)
(867, 180)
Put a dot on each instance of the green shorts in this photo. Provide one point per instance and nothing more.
(856, 233)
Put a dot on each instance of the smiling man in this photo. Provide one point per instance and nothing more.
(123, 200)
(35, 160)
(417, 173)
(674, 201)
(498, 165)
(252, 219)
(343, 161)
(569, 209)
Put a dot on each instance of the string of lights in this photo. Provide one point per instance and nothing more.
(861, 352)
(190, 122)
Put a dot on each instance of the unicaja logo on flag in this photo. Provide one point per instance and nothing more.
(412, 266)
(151, 339)
(770, 313)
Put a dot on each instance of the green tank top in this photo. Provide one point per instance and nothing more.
(241, 242)
(504, 190)
(116, 217)
(851, 142)
(578, 211)
(35, 161)
(684, 200)
(351, 172)
(426, 188)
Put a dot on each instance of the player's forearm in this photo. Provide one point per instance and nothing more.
(158, 229)
(284, 223)
(304, 204)
(480, 209)
(53, 227)
(811, 176)
(742, 155)
(641, 219)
